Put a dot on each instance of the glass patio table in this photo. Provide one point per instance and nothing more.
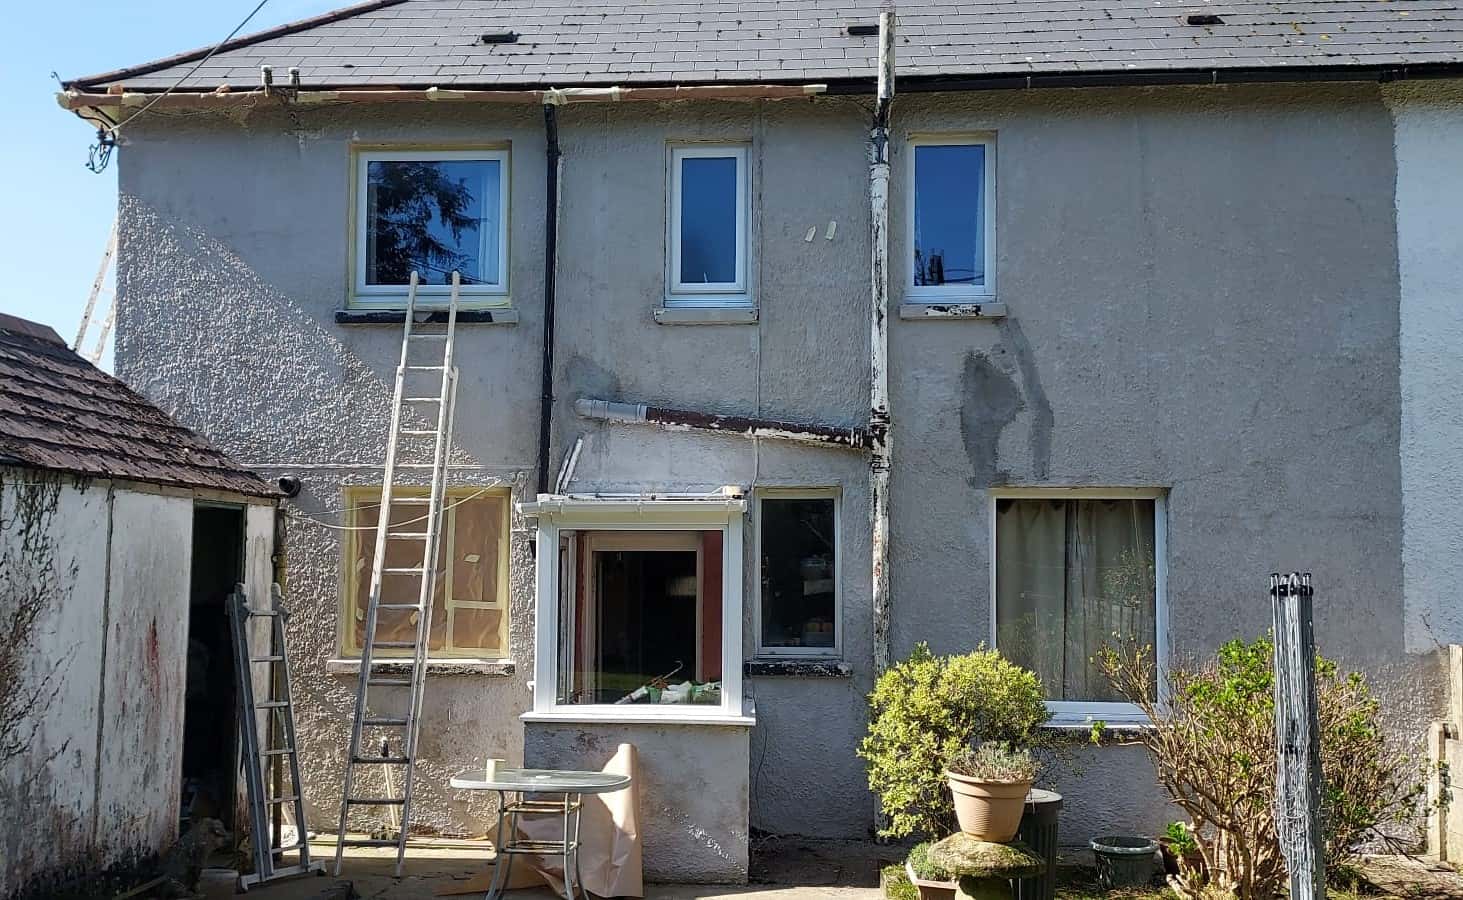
(535, 790)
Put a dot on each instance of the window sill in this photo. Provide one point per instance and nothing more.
(953, 309)
(505, 315)
(797, 668)
(494, 668)
(569, 717)
(706, 315)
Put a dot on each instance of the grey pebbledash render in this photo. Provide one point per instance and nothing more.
(1172, 304)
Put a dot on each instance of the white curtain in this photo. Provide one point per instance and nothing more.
(1071, 576)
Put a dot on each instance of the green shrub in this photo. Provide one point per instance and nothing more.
(925, 710)
(1213, 748)
(1180, 838)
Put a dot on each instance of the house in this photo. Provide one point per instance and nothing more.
(1170, 303)
(121, 535)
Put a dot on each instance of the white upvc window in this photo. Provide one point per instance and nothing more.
(1073, 570)
(433, 212)
(951, 219)
(799, 573)
(639, 610)
(707, 221)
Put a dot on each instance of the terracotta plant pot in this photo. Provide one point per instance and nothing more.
(988, 810)
(931, 890)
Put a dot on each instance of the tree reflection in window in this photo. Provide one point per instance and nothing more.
(434, 217)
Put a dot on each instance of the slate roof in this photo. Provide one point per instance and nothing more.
(59, 412)
(423, 43)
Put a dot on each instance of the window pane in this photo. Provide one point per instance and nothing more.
(642, 619)
(798, 548)
(474, 534)
(708, 217)
(949, 203)
(434, 217)
(1071, 577)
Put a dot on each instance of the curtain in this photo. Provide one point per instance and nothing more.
(1072, 576)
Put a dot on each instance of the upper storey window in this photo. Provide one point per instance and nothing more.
(707, 225)
(432, 212)
(951, 228)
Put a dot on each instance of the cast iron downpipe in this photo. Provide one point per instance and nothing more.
(879, 415)
(551, 259)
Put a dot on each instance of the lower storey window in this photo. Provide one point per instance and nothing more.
(1073, 574)
(641, 617)
(797, 546)
(469, 606)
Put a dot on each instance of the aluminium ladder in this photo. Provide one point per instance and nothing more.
(398, 728)
(262, 801)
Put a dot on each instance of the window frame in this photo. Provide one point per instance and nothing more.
(693, 295)
(1082, 713)
(350, 586)
(784, 653)
(945, 293)
(558, 514)
(390, 296)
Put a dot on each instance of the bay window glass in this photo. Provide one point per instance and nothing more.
(640, 618)
(1073, 575)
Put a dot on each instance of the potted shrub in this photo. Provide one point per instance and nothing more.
(989, 786)
(1180, 849)
(925, 710)
(933, 882)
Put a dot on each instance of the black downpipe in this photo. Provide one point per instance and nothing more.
(551, 258)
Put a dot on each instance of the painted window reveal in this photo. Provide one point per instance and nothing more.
(708, 224)
(470, 609)
(797, 543)
(435, 213)
(1073, 575)
(951, 231)
(641, 618)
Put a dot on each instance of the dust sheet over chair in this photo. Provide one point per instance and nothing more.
(610, 852)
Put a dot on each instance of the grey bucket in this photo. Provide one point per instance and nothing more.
(1039, 832)
(1124, 861)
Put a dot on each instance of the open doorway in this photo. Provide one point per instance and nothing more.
(211, 719)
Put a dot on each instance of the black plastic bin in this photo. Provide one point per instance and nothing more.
(1039, 832)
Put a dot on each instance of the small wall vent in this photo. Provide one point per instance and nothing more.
(863, 30)
(500, 37)
(1203, 19)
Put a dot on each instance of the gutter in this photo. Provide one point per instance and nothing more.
(851, 437)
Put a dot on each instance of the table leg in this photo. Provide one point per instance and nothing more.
(578, 875)
(501, 860)
(568, 847)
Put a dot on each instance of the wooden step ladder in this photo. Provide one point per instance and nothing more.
(401, 729)
(279, 706)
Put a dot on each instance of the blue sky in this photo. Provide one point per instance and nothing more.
(56, 214)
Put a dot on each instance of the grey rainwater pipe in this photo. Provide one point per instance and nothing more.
(551, 259)
(879, 415)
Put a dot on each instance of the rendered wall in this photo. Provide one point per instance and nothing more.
(1203, 297)
(693, 790)
(1429, 134)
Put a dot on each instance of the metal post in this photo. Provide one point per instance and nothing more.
(1297, 737)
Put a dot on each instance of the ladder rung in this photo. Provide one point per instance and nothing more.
(416, 501)
(389, 722)
(388, 682)
(367, 842)
(404, 569)
(421, 399)
(287, 848)
(415, 606)
(428, 336)
(394, 645)
(376, 801)
(403, 535)
(425, 368)
(420, 431)
(290, 799)
(381, 760)
(272, 704)
(283, 751)
(263, 659)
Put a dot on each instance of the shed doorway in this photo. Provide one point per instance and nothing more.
(210, 713)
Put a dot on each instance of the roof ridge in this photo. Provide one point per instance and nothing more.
(247, 40)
